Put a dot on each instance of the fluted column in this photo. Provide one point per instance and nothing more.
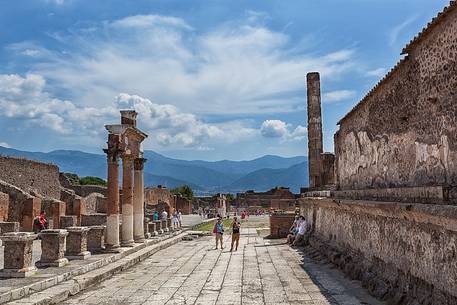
(112, 209)
(138, 200)
(127, 201)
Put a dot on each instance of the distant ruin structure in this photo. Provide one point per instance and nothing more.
(391, 220)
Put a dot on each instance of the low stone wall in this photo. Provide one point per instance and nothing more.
(93, 220)
(280, 224)
(401, 252)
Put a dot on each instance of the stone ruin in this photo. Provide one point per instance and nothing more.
(82, 219)
(383, 207)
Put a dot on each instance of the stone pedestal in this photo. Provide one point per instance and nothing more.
(52, 248)
(77, 243)
(147, 234)
(96, 239)
(68, 221)
(165, 226)
(127, 201)
(170, 225)
(138, 200)
(18, 255)
(7, 227)
(158, 224)
(153, 228)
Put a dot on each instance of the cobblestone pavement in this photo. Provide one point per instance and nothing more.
(193, 272)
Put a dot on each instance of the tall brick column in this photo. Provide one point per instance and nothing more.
(138, 200)
(112, 209)
(127, 201)
(315, 145)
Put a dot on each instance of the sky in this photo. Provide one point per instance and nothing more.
(210, 79)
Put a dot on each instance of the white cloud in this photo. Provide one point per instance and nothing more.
(279, 129)
(337, 96)
(145, 21)
(4, 144)
(396, 31)
(379, 72)
(237, 68)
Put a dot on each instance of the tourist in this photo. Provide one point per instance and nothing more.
(293, 231)
(219, 231)
(235, 233)
(164, 215)
(300, 237)
(155, 216)
(174, 220)
(40, 223)
(179, 218)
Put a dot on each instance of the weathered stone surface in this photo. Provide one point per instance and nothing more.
(280, 224)
(6, 227)
(77, 243)
(390, 247)
(17, 254)
(98, 219)
(68, 221)
(96, 238)
(52, 248)
(4, 206)
(403, 133)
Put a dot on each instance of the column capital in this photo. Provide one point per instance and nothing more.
(113, 154)
(139, 164)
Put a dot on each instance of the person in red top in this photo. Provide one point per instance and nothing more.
(40, 222)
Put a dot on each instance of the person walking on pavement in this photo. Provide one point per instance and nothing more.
(219, 231)
(235, 234)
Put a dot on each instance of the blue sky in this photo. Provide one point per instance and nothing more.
(211, 79)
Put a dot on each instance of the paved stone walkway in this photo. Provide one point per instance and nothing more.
(193, 272)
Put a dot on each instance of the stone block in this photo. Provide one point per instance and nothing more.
(147, 234)
(30, 210)
(158, 224)
(68, 221)
(96, 239)
(165, 226)
(280, 224)
(58, 209)
(98, 219)
(4, 206)
(6, 227)
(18, 255)
(153, 228)
(77, 243)
(52, 248)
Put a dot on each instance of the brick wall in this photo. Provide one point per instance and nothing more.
(280, 224)
(404, 132)
(31, 176)
(4, 204)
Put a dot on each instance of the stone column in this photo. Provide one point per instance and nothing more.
(52, 248)
(77, 243)
(96, 239)
(138, 200)
(315, 145)
(17, 255)
(127, 201)
(165, 226)
(112, 202)
(147, 234)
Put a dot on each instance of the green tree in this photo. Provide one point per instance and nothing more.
(185, 191)
(90, 180)
(73, 178)
(229, 197)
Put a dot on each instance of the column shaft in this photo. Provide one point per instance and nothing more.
(127, 201)
(138, 201)
(112, 209)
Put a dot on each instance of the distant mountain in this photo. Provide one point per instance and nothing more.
(203, 176)
(265, 179)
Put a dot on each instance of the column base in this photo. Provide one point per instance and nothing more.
(155, 233)
(128, 243)
(80, 256)
(147, 235)
(139, 239)
(18, 273)
(160, 231)
(111, 249)
(57, 263)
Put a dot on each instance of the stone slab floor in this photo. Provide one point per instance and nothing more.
(193, 272)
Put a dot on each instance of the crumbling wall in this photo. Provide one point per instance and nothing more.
(31, 176)
(4, 206)
(401, 252)
(404, 132)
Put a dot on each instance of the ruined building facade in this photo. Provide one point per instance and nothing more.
(391, 220)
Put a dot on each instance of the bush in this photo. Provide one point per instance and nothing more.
(90, 180)
(185, 191)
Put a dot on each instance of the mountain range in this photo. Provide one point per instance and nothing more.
(204, 177)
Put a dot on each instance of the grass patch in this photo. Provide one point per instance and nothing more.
(209, 226)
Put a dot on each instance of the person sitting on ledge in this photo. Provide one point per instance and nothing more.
(40, 223)
(292, 231)
(300, 237)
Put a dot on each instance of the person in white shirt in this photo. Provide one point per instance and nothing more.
(180, 218)
(300, 237)
(164, 215)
